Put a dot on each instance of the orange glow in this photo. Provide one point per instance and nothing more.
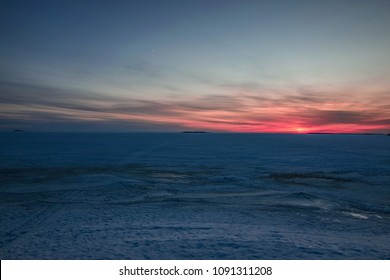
(301, 130)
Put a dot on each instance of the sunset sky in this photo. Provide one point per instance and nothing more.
(236, 66)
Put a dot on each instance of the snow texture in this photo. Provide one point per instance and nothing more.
(194, 196)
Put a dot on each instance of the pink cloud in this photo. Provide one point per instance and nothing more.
(261, 111)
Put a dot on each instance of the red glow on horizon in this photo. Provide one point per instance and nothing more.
(282, 127)
(244, 113)
(222, 121)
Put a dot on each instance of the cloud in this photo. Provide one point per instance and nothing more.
(336, 116)
(145, 69)
(252, 111)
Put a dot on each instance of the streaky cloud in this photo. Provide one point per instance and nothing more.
(253, 111)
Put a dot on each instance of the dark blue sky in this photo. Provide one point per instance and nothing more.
(173, 65)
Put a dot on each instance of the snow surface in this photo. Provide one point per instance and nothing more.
(194, 196)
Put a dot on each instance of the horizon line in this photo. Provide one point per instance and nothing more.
(195, 132)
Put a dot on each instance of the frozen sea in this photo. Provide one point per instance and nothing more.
(194, 196)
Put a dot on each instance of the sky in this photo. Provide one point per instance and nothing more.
(272, 66)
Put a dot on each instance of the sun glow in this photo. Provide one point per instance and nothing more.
(301, 130)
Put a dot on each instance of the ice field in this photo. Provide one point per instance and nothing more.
(194, 196)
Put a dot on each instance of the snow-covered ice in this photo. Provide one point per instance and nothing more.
(194, 196)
